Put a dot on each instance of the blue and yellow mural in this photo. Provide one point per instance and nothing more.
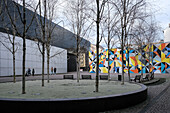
(155, 58)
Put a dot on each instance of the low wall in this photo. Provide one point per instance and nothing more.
(89, 104)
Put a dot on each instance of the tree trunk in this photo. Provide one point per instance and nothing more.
(152, 59)
(24, 49)
(13, 53)
(123, 36)
(78, 69)
(13, 47)
(128, 63)
(48, 63)
(109, 78)
(122, 46)
(141, 62)
(43, 59)
(122, 65)
(23, 66)
(108, 43)
(149, 60)
(43, 43)
(77, 59)
(97, 47)
(14, 80)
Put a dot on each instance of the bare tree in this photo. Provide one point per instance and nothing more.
(129, 11)
(146, 32)
(13, 49)
(138, 40)
(99, 13)
(51, 5)
(110, 23)
(151, 34)
(45, 31)
(77, 17)
(128, 48)
(11, 41)
(25, 26)
(41, 35)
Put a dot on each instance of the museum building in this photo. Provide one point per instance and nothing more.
(63, 45)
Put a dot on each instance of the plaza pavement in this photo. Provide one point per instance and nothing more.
(158, 94)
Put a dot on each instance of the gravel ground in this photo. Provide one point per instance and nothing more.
(65, 89)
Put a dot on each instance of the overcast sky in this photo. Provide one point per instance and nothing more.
(160, 8)
(163, 14)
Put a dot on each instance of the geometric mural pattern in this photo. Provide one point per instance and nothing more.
(154, 58)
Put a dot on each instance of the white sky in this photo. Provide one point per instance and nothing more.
(161, 9)
(163, 14)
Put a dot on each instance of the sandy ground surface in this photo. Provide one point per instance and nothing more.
(64, 89)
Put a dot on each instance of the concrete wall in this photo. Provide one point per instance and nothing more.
(167, 35)
(33, 57)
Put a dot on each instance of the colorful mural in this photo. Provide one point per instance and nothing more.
(155, 58)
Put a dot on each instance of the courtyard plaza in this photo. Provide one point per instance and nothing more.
(158, 100)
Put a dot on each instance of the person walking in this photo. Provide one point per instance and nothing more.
(51, 70)
(55, 69)
(29, 71)
(33, 72)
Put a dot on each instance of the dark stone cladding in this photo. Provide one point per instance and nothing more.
(88, 104)
(61, 37)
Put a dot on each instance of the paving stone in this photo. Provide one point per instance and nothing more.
(158, 95)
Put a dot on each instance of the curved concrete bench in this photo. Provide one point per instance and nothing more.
(89, 104)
